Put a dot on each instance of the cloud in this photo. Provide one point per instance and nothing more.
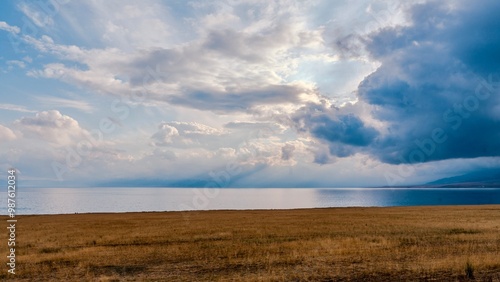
(17, 108)
(269, 153)
(256, 129)
(433, 97)
(247, 143)
(233, 69)
(165, 135)
(344, 133)
(287, 152)
(184, 77)
(51, 126)
(126, 25)
(260, 78)
(40, 17)
(345, 129)
(19, 64)
(239, 100)
(12, 29)
(53, 102)
(184, 133)
(6, 133)
(437, 89)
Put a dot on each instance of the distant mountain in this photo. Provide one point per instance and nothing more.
(146, 182)
(480, 178)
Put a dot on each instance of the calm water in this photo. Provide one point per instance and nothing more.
(81, 200)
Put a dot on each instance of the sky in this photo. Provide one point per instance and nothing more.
(248, 93)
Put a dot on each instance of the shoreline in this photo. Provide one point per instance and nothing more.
(243, 210)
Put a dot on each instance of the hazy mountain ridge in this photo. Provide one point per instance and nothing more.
(481, 178)
(477, 179)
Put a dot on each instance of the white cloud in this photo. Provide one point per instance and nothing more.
(53, 127)
(190, 134)
(6, 133)
(9, 28)
(19, 64)
(228, 69)
(164, 135)
(17, 108)
(54, 102)
(248, 143)
(36, 15)
(125, 24)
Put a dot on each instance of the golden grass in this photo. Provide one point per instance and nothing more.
(335, 244)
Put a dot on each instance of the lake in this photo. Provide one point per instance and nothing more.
(84, 200)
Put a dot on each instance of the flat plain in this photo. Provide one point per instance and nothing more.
(445, 243)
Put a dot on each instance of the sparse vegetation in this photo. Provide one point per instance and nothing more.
(337, 244)
(469, 270)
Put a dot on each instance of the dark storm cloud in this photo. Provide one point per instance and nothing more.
(345, 134)
(346, 129)
(437, 86)
(436, 91)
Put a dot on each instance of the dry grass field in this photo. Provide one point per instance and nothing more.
(335, 244)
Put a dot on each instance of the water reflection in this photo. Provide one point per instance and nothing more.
(383, 197)
(81, 200)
